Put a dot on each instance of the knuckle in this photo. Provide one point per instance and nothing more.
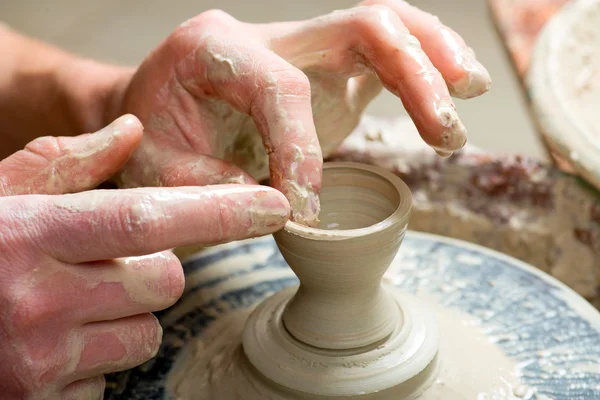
(290, 80)
(293, 74)
(47, 147)
(32, 310)
(141, 220)
(22, 232)
(216, 16)
(210, 19)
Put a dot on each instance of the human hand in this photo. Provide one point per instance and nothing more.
(280, 96)
(77, 286)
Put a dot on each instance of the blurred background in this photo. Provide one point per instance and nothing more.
(124, 32)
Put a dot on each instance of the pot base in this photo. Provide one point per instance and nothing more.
(466, 366)
(404, 354)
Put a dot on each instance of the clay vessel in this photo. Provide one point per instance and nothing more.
(340, 303)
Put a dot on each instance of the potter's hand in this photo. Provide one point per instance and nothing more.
(76, 285)
(217, 86)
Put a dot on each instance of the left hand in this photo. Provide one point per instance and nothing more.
(277, 97)
(80, 274)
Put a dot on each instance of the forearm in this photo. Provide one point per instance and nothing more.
(45, 91)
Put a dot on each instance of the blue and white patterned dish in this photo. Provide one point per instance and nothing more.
(551, 332)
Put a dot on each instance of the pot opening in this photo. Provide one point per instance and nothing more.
(355, 198)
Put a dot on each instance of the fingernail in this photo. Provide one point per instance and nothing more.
(269, 211)
(476, 79)
(454, 135)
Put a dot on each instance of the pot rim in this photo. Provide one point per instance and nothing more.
(400, 215)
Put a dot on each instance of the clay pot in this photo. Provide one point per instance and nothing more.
(340, 303)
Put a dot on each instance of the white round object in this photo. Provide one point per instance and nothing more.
(564, 79)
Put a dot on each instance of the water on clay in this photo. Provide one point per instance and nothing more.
(469, 366)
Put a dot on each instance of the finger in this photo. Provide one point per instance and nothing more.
(363, 89)
(56, 165)
(91, 388)
(112, 346)
(100, 225)
(128, 286)
(259, 83)
(180, 167)
(448, 52)
(374, 36)
(107, 290)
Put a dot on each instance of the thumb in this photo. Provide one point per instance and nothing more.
(57, 165)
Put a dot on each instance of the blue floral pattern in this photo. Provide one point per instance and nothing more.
(552, 333)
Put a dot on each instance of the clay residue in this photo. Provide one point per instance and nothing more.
(472, 367)
(213, 366)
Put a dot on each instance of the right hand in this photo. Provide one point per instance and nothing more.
(77, 286)
(224, 99)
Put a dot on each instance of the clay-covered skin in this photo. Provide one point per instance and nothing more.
(81, 273)
(272, 99)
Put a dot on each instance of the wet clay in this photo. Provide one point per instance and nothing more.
(340, 303)
(341, 332)
(213, 366)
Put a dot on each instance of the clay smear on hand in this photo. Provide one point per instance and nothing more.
(389, 49)
(475, 79)
(256, 82)
(55, 165)
(448, 52)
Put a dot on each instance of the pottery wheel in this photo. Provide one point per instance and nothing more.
(528, 335)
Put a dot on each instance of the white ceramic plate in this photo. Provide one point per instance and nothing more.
(564, 82)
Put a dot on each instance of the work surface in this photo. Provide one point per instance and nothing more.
(125, 32)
